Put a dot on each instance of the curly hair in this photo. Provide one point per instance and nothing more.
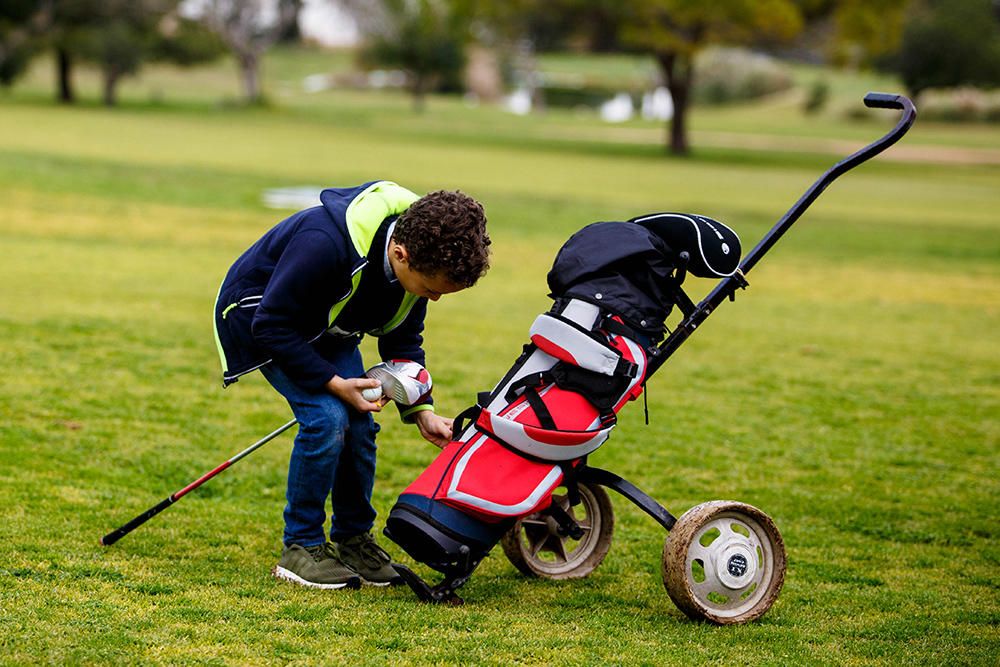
(445, 234)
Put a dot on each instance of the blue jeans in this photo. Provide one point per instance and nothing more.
(333, 457)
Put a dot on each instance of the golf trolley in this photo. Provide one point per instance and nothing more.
(499, 480)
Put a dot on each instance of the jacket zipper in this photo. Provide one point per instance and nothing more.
(245, 302)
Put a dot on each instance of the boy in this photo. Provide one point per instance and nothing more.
(296, 305)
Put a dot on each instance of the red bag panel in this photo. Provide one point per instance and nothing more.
(570, 410)
(430, 479)
(489, 481)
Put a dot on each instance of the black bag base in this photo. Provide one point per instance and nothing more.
(439, 536)
(429, 542)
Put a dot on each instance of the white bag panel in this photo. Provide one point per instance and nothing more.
(581, 312)
(573, 346)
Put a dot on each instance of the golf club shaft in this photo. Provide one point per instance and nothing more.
(124, 530)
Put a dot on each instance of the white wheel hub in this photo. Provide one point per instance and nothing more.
(727, 564)
(735, 564)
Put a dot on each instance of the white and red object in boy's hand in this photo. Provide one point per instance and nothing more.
(405, 382)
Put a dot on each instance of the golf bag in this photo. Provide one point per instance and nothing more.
(613, 285)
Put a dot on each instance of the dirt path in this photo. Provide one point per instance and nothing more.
(901, 152)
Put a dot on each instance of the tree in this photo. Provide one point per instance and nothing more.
(866, 30)
(122, 39)
(117, 35)
(80, 29)
(70, 32)
(292, 34)
(947, 44)
(21, 23)
(25, 27)
(673, 31)
(424, 38)
(249, 28)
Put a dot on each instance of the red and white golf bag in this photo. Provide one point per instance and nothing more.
(558, 403)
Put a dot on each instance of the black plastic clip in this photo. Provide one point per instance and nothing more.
(741, 283)
(463, 419)
(683, 259)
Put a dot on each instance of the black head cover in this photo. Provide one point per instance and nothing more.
(620, 267)
(714, 248)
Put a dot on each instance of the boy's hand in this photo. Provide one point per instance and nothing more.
(435, 429)
(349, 391)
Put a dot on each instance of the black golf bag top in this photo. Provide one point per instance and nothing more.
(613, 285)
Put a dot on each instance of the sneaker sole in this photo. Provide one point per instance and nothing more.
(287, 575)
(396, 581)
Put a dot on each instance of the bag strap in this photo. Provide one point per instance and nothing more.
(535, 380)
(542, 413)
(464, 419)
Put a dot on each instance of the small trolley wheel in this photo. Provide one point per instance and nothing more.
(536, 547)
(724, 562)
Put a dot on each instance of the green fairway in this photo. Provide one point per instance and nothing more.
(852, 393)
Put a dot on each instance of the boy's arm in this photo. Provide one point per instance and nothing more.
(434, 428)
(294, 303)
(406, 342)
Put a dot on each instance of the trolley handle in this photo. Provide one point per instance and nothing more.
(875, 100)
(728, 286)
(872, 100)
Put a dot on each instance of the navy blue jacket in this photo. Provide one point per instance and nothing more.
(274, 304)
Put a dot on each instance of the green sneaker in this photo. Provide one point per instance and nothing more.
(315, 567)
(362, 554)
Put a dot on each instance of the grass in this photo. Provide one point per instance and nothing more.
(852, 393)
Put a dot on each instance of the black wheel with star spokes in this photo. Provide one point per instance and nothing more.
(538, 546)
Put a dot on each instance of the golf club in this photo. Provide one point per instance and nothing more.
(404, 381)
(124, 530)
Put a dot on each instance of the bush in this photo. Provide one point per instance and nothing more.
(950, 43)
(734, 75)
(817, 97)
(960, 105)
(571, 96)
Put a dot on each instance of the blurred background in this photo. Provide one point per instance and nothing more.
(624, 61)
(853, 393)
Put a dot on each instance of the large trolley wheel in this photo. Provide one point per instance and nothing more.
(724, 562)
(537, 548)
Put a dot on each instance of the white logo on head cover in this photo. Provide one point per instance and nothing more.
(725, 248)
(712, 227)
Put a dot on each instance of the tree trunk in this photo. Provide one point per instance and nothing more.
(291, 34)
(111, 77)
(251, 77)
(419, 90)
(678, 71)
(64, 70)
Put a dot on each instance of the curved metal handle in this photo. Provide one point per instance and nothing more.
(872, 100)
(893, 101)
(887, 101)
(884, 100)
(728, 286)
